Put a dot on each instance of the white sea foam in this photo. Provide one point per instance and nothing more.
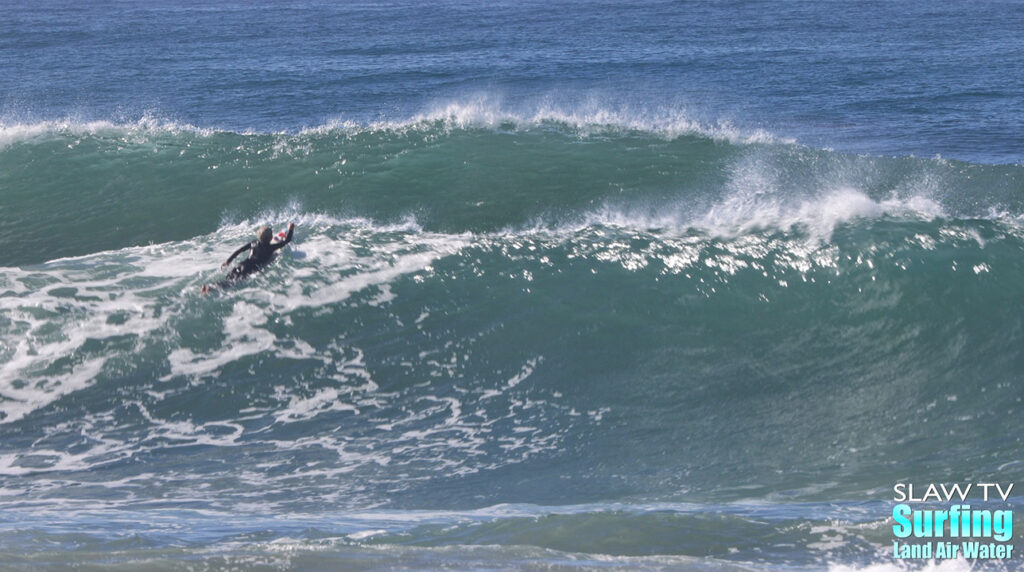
(244, 338)
(592, 116)
(390, 260)
(743, 212)
(952, 565)
(138, 130)
(135, 299)
(305, 408)
(52, 325)
(60, 309)
(746, 213)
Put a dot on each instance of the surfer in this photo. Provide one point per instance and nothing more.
(261, 251)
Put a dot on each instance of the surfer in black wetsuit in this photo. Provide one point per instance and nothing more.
(261, 251)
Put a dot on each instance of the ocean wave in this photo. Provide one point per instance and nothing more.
(379, 370)
(465, 166)
(592, 118)
(484, 111)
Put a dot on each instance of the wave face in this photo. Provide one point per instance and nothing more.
(552, 336)
(79, 188)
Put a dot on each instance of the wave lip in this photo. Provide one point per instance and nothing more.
(818, 216)
(592, 117)
(12, 132)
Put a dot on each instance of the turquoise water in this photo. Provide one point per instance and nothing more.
(657, 286)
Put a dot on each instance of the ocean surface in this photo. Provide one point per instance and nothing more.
(649, 285)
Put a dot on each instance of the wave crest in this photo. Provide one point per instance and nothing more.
(591, 117)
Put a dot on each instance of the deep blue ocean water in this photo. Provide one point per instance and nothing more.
(574, 285)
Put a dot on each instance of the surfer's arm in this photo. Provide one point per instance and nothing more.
(288, 238)
(236, 253)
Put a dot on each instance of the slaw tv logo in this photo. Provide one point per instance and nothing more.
(956, 529)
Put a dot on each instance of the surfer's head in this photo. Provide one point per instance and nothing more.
(265, 234)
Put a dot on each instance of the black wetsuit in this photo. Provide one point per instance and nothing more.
(261, 253)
